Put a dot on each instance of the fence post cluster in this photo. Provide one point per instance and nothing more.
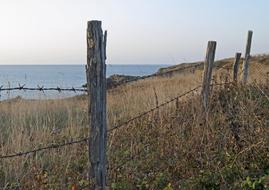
(208, 66)
(247, 57)
(96, 82)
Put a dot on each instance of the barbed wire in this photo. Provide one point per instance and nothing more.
(42, 89)
(84, 89)
(55, 146)
(158, 74)
(81, 140)
(52, 146)
(166, 73)
(148, 143)
(152, 109)
(161, 105)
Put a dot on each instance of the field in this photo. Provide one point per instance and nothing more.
(174, 147)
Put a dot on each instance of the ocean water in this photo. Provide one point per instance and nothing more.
(58, 76)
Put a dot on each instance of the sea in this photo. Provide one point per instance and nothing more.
(63, 76)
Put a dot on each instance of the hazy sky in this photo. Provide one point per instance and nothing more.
(139, 31)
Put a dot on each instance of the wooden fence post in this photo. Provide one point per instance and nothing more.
(247, 57)
(236, 66)
(96, 82)
(208, 66)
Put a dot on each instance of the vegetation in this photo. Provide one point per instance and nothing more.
(171, 148)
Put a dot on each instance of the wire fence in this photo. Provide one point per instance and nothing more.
(125, 123)
(168, 72)
(80, 140)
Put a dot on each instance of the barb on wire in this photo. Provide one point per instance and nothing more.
(40, 88)
(52, 146)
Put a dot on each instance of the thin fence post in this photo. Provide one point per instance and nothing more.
(177, 105)
(236, 66)
(247, 57)
(208, 66)
(96, 83)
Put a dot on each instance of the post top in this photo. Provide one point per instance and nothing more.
(94, 23)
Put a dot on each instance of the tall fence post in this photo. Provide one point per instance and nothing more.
(208, 66)
(247, 57)
(236, 66)
(96, 82)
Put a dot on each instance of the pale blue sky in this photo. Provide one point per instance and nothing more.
(139, 31)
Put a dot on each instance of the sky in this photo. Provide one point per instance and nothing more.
(139, 31)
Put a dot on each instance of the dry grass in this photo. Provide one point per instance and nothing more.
(169, 146)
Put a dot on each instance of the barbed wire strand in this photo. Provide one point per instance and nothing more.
(153, 109)
(172, 71)
(84, 89)
(52, 146)
(42, 89)
(161, 105)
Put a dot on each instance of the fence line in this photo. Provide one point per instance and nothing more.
(84, 89)
(166, 73)
(85, 139)
(96, 72)
(54, 146)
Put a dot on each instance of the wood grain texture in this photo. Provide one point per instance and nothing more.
(96, 80)
(207, 75)
(236, 66)
(247, 57)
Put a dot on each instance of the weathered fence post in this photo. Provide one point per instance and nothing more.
(208, 66)
(96, 82)
(236, 66)
(247, 57)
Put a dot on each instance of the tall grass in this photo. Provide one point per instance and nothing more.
(169, 148)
